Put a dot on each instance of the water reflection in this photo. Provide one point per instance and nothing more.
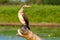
(10, 38)
(20, 38)
(51, 38)
(9, 33)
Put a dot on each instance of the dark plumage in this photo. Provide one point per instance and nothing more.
(26, 21)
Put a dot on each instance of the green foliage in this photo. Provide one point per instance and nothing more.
(4, 1)
(42, 13)
(8, 13)
(10, 2)
(51, 2)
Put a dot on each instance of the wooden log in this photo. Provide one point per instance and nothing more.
(28, 34)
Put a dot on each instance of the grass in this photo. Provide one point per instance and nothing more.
(8, 13)
(42, 13)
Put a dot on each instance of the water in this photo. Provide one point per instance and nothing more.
(2, 37)
(7, 33)
(10, 38)
(51, 38)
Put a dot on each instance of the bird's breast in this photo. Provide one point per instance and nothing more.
(21, 19)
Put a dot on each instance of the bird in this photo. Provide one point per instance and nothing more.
(22, 17)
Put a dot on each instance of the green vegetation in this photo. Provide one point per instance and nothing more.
(42, 13)
(8, 13)
(51, 2)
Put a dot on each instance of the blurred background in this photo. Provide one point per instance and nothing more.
(50, 2)
(41, 11)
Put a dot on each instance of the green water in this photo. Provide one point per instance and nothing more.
(46, 33)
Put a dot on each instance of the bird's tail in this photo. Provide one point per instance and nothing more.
(28, 27)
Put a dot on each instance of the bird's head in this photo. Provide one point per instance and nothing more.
(25, 5)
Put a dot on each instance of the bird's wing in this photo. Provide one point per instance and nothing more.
(26, 19)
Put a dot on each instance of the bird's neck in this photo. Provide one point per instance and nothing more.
(21, 10)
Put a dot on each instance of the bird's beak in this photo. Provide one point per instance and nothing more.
(28, 6)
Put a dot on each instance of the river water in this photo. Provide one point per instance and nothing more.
(46, 34)
(3, 37)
